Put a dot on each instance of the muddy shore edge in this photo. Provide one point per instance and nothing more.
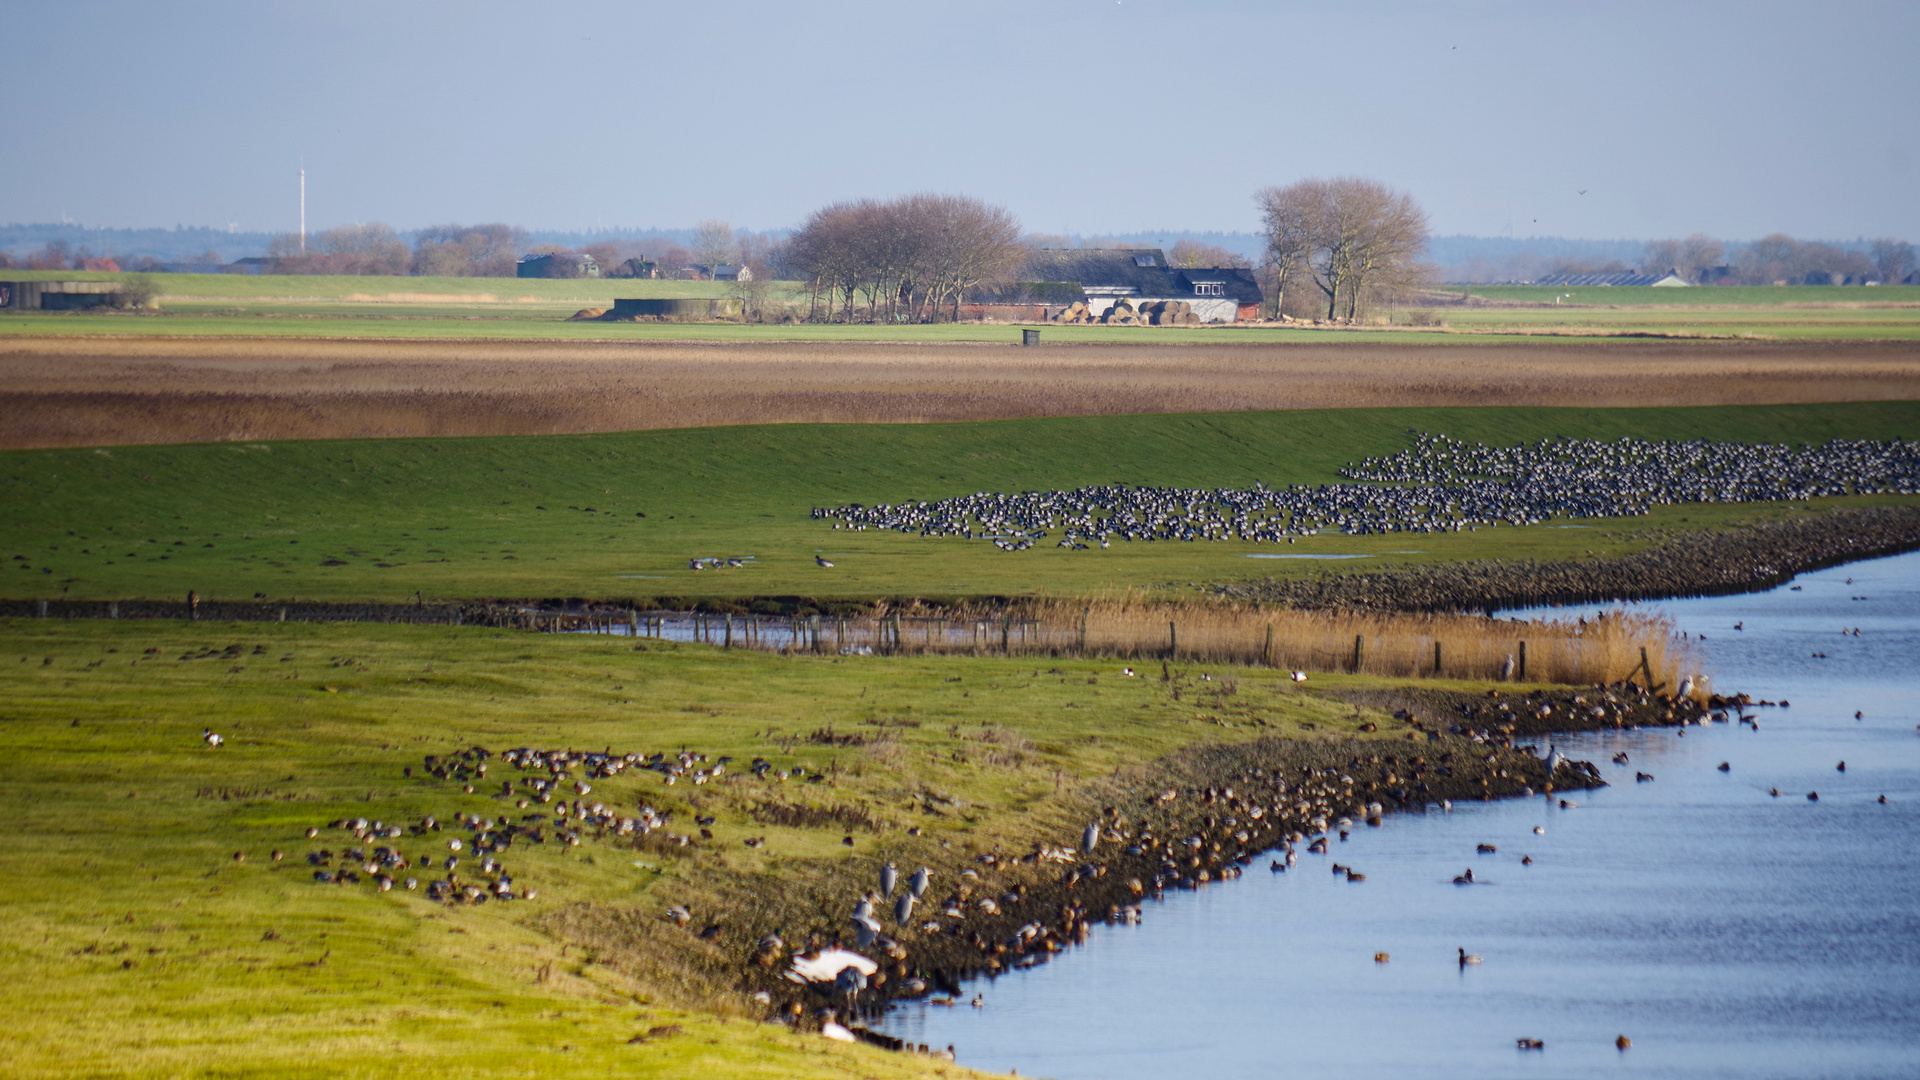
(1200, 815)
(1749, 558)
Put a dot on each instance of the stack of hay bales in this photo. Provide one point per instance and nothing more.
(1074, 313)
(1121, 314)
(1169, 313)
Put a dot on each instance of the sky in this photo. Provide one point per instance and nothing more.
(1614, 118)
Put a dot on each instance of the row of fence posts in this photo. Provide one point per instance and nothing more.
(889, 637)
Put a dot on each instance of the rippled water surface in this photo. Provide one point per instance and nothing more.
(1727, 932)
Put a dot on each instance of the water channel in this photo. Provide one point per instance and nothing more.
(1726, 931)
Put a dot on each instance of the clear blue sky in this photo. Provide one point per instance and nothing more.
(1088, 116)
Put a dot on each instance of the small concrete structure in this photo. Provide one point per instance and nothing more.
(656, 308)
(56, 295)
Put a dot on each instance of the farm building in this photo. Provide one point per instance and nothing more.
(559, 265)
(56, 295)
(1141, 277)
(1666, 280)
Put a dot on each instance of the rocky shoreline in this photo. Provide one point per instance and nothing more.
(1744, 559)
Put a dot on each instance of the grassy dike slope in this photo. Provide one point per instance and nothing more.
(132, 943)
(560, 516)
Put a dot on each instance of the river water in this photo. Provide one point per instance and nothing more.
(1727, 932)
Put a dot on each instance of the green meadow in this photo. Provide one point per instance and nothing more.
(134, 942)
(538, 309)
(621, 515)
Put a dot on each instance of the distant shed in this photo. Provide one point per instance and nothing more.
(56, 295)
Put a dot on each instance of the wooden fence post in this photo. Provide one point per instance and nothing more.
(1173, 640)
(1522, 673)
(1084, 612)
(1436, 658)
(1266, 651)
(1359, 650)
(729, 642)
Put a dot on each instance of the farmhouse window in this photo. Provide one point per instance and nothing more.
(1209, 288)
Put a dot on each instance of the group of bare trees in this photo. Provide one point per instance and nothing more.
(1779, 259)
(371, 248)
(1352, 241)
(907, 259)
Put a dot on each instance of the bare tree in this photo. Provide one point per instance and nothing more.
(1690, 258)
(1894, 259)
(1194, 255)
(907, 259)
(467, 250)
(1353, 238)
(714, 245)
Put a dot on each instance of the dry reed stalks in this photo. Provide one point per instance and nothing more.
(92, 392)
(1611, 648)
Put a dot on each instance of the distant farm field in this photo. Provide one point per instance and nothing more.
(538, 309)
(91, 392)
(621, 515)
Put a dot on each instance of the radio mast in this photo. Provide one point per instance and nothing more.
(303, 209)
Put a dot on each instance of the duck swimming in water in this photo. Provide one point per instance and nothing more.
(1467, 958)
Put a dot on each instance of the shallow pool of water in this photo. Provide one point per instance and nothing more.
(1727, 932)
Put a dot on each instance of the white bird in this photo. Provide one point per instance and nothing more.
(210, 738)
(865, 929)
(827, 966)
(1686, 687)
(1090, 839)
(1298, 676)
(835, 1032)
(1554, 758)
(820, 561)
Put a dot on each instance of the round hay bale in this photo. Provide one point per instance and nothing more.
(588, 313)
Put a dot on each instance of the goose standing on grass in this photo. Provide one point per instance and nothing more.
(207, 736)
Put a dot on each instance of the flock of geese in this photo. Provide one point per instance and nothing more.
(1440, 484)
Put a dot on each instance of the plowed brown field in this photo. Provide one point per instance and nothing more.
(77, 392)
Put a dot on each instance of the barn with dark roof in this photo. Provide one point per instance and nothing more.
(1142, 276)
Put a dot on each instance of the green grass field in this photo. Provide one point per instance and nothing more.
(132, 943)
(1704, 296)
(527, 309)
(561, 516)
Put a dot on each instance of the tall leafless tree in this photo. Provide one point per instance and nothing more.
(1352, 238)
(1894, 259)
(714, 245)
(911, 258)
(1690, 258)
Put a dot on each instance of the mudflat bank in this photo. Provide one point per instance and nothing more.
(1757, 556)
(1197, 816)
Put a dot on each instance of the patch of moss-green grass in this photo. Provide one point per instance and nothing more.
(621, 515)
(133, 942)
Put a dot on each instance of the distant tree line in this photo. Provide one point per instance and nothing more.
(1777, 259)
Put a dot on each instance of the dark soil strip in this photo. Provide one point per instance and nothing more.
(1747, 559)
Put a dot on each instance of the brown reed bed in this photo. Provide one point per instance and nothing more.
(1618, 646)
(97, 392)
